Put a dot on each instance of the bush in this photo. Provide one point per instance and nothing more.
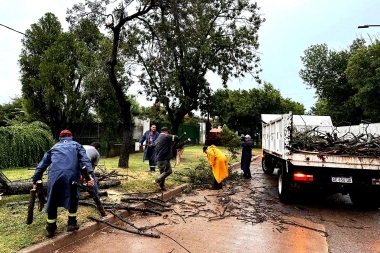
(230, 140)
(199, 175)
(24, 145)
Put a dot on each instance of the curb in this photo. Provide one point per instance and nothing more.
(68, 238)
(255, 157)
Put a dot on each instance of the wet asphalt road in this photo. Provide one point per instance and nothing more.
(333, 219)
(349, 229)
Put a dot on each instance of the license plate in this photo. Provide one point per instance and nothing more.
(347, 180)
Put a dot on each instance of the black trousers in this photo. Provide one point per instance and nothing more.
(53, 213)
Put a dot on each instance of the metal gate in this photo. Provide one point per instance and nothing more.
(192, 131)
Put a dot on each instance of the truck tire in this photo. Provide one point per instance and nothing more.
(284, 192)
(365, 198)
(267, 166)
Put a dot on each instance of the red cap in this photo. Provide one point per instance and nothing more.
(65, 133)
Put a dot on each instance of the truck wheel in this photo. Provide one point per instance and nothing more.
(365, 199)
(268, 168)
(284, 192)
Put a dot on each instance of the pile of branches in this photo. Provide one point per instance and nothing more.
(104, 175)
(153, 206)
(364, 144)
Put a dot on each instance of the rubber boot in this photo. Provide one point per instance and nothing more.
(50, 229)
(247, 174)
(72, 224)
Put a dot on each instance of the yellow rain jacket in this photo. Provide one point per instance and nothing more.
(218, 162)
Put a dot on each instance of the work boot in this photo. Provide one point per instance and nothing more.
(50, 229)
(247, 175)
(72, 224)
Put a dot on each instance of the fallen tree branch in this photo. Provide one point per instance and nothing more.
(123, 229)
(130, 208)
(325, 234)
(122, 219)
(129, 199)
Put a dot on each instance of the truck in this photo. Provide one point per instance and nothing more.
(325, 171)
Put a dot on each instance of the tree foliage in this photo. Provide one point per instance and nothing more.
(24, 145)
(241, 110)
(155, 113)
(38, 39)
(363, 73)
(56, 69)
(324, 69)
(180, 41)
(12, 113)
(230, 140)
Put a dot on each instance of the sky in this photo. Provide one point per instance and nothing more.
(291, 27)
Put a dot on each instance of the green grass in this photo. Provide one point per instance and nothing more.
(15, 234)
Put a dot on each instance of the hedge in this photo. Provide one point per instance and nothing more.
(24, 145)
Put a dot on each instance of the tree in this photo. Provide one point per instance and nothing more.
(156, 113)
(324, 70)
(241, 110)
(38, 39)
(363, 73)
(234, 109)
(12, 113)
(180, 41)
(116, 23)
(55, 69)
(288, 105)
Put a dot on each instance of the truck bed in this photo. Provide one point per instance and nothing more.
(316, 159)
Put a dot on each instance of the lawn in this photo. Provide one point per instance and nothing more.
(15, 234)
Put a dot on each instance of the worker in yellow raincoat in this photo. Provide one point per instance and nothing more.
(218, 162)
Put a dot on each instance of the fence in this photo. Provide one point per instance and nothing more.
(111, 147)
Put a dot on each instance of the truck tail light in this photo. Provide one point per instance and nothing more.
(303, 177)
(375, 181)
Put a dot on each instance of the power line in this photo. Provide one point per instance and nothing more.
(13, 29)
(28, 36)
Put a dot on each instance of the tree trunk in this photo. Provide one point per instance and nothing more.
(124, 103)
(175, 128)
(125, 149)
(16, 188)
